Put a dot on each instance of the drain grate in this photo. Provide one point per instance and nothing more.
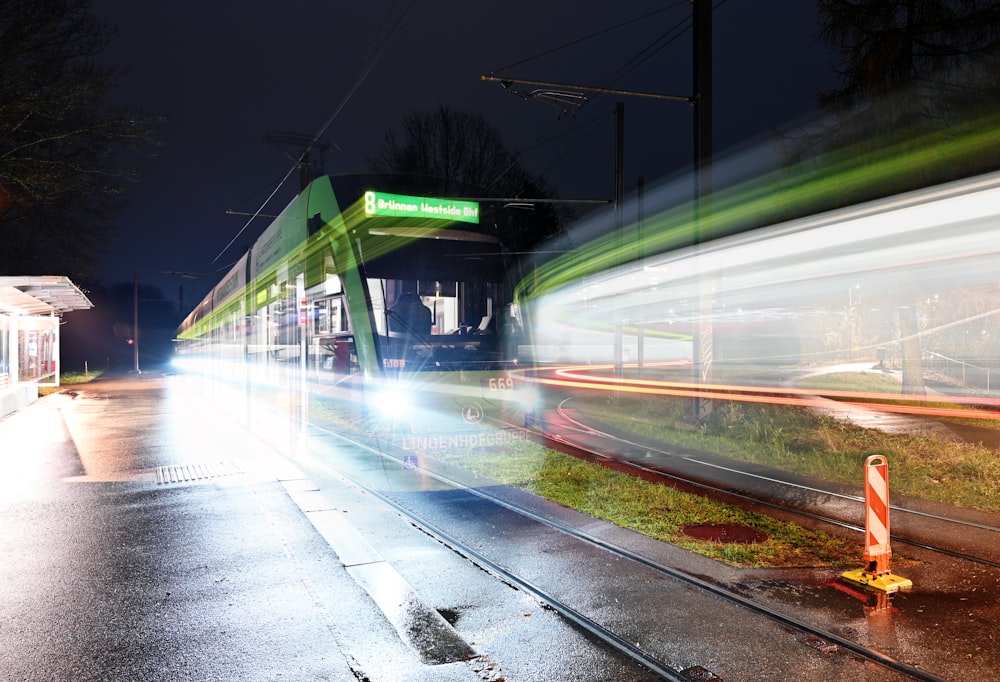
(184, 473)
(699, 674)
(819, 644)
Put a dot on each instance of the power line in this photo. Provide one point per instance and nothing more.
(594, 35)
(666, 39)
(362, 77)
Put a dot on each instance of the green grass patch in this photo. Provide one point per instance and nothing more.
(790, 438)
(870, 382)
(655, 510)
(69, 379)
(864, 382)
(798, 440)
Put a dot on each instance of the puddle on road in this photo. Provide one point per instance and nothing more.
(937, 626)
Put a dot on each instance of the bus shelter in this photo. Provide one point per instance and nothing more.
(30, 311)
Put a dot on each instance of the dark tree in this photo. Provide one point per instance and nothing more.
(466, 153)
(890, 46)
(61, 142)
(911, 67)
(919, 86)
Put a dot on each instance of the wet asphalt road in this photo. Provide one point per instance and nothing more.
(142, 537)
(115, 566)
(107, 575)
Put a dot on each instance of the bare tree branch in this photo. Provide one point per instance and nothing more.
(465, 152)
(61, 142)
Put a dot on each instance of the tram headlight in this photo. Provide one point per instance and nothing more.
(528, 397)
(391, 402)
(185, 364)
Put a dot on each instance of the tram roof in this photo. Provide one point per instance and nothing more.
(40, 295)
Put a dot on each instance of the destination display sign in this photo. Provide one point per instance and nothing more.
(402, 206)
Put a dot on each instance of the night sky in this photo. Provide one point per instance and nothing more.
(225, 74)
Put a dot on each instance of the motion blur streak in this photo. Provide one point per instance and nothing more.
(893, 300)
(750, 194)
(587, 378)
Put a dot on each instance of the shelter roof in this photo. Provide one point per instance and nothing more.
(40, 295)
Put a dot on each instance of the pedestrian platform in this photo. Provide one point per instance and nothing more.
(148, 537)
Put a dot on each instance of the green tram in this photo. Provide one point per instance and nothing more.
(367, 293)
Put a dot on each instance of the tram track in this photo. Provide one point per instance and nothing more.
(561, 436)
(612, 637)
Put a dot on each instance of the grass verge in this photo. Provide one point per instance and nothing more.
(69, 379)
(798, 440)
(654, 510)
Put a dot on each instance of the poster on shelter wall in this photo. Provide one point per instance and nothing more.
(36, 348)
(4, 352)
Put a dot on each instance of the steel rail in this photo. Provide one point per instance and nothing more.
(591, 626)
(765, 502)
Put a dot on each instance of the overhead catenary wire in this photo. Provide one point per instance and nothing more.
(662, 41)
(564, 150)
(657, 45)
(366, 70)
(583, 39)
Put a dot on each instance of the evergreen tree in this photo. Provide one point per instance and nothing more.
(918, 78)
(891, 46)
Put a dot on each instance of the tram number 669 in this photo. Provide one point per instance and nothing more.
(500, 384)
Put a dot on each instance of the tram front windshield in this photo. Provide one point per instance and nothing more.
(405, 307)
(435, 301)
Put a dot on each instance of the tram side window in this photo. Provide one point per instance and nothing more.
(442, 299)
(321, 318)
(258, 330)
(329, 316)
(284, 319)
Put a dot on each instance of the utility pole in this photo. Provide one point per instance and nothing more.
(640, 197)
(619, 226)
(701, 101)
(135, 323)
(703, 97)
(619, 165)
(303, 144)
(702, 78)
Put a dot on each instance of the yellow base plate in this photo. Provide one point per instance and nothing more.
(886, 583)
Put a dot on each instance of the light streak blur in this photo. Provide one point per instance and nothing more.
(904, 287)
(590, 378)
(756, 195)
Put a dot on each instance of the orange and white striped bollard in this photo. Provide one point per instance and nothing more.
(877, 552)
